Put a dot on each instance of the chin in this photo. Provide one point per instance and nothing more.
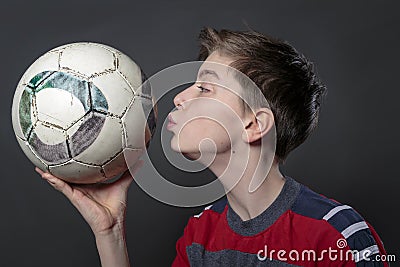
(191, 156)
(186, 154)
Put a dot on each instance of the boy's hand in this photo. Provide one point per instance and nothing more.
(101, 205)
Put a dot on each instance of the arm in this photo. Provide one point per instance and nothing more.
(181, 258)
(112, 248)
(103, 206)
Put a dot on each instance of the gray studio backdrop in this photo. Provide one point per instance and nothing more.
(352, 156)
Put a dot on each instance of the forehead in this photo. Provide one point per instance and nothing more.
(216, 63)
(218, 58)
(216, 69)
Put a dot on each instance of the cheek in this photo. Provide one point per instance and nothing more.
(197, 130)
(212, 121)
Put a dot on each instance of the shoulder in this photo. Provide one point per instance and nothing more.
(351, 228)
(316, 206)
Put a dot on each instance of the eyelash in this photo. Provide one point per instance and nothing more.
(202, 89)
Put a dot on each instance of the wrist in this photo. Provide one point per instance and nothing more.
(111, 246)
(116, 232)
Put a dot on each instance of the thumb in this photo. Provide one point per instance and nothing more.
(57, 183)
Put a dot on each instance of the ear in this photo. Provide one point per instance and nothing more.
(257, 125)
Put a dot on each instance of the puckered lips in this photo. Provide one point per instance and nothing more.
(171, 122)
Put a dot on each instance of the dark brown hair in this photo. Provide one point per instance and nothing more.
(285, 77)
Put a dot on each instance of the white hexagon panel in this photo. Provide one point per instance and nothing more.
(62, 99)
(111, 49)
(117, 92)
(78, 172)
(136, 132)
(87, 59)
(130, 71)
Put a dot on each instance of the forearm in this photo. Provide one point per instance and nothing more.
(112, 248)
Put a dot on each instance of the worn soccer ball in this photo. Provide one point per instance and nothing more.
(79, 108)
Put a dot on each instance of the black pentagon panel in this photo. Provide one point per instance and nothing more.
(87, 133)
(54, 154)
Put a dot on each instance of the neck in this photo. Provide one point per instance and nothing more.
(244, 201)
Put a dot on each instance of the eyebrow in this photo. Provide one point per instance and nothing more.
(208, 72)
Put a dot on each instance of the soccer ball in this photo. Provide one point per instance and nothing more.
(79, 108)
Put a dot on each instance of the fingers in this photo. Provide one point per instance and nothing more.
(57, 183)
(39, 171)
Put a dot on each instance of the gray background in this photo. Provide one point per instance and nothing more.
(352, 156)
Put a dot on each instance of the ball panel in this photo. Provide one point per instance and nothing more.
(99, 101)
(39, 79)
(70, 83)
(31, 155)
(150, 110)
(132, 156)
(118, 164)
(25, 109)
(107, 47)
(48, 133)
(82, 134)
(115, 166)
(58, 107)
(50, 153)
(130, 71)
(47, 62)
(134, 123)
(15, 112)
(87, 59)
(78, 172)
(106, 145)
(116, 91)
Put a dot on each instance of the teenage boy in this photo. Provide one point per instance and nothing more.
(279, 223)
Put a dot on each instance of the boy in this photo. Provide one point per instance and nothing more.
(266, 218)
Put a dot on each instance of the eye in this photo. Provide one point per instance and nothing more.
(203, 89)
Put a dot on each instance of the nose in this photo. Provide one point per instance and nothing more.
(182, 97)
